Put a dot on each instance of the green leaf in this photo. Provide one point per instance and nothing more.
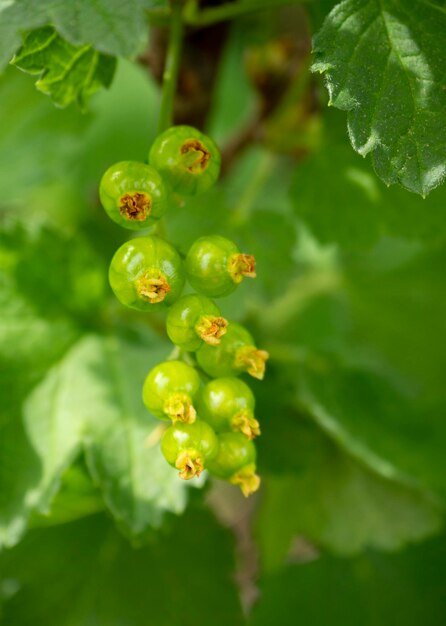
(17, 16)
(19, 471)
(61, 186)
(109, 26)
(32, 338)
(121, 437)
(334, 501)
(381, 395)
(64, 389)
(376, 420)
(372, 590)
(361, 343)
(88, 397)
(31, 341)
(53, 427)
(33, 124)
(398, 307)
(66, 73)
(114, 584)
(30, 344)
(228, 115)
(384, 63)
(77, 288)
(42, 310)
(378, 415)
(92, 398)
(353, 208)
(77, 497)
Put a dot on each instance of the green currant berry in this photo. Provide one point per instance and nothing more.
(133, 194)
(170, 389)
(146, 273)
(187, 158)
(215, 266)
(236, 353)
(195, 319)
(228, 404)
(189, 447)
(236, 462)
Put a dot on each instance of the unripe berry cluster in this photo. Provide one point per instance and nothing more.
(212, 424)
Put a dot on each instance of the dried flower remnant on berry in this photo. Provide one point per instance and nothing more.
(211, 329)
(179, 408)
(247, 480)
(245, 423)
(197, 156)
(135, 206)
(252, 361)
(152, 288)
(242, 266)
(188, 465)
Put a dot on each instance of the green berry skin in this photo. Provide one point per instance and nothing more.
(207, 266)
(189, 160)
(138, 261)
(133, 194)
(198, 437)
(219, 361)
(235, 354)
(183, 317)
(166, 380)
(220, 400)
(235, 452)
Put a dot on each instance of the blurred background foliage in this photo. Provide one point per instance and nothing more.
(350, 301)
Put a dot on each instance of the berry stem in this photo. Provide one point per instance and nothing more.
(171, 67)
(174, 355)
